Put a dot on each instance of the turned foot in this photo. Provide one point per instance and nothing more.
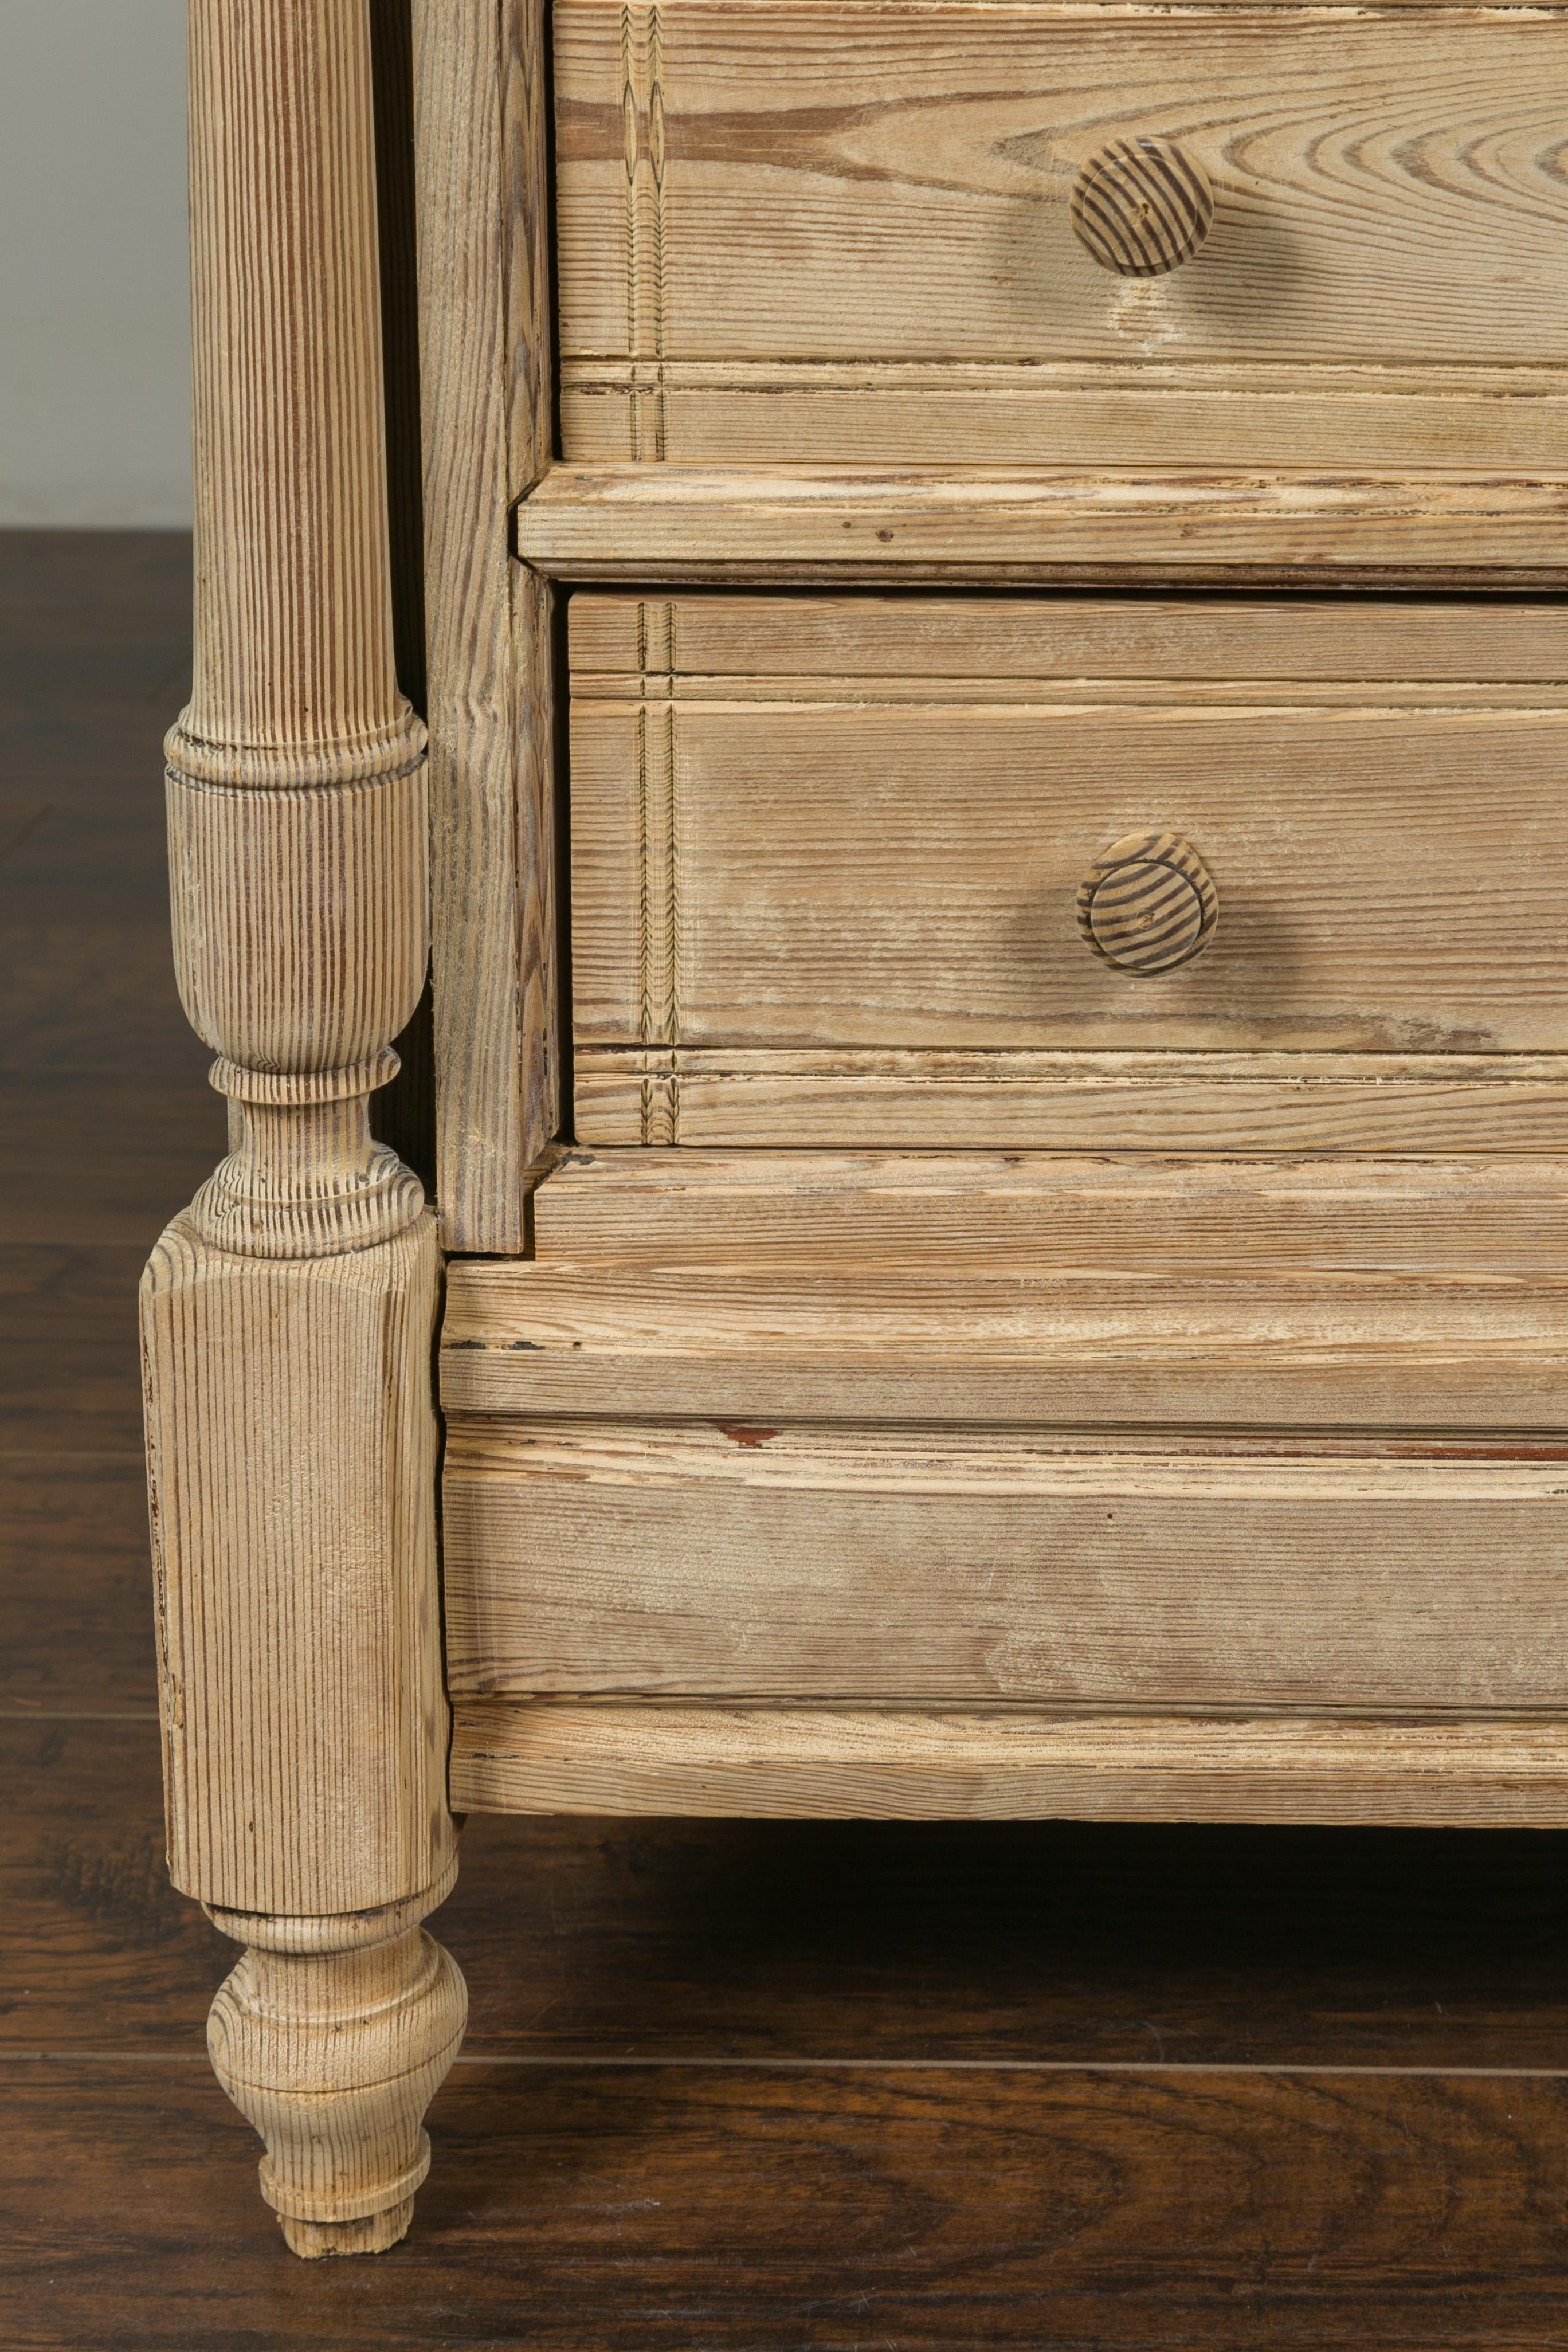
(331, 2036)
(373, 2235)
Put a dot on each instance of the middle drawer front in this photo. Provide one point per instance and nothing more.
(829, 860)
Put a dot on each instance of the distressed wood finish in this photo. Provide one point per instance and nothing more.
(1226, 1103)
(930, 525)
(485, 347)
(842, 1481)
(807, 1212)
(747, 1559)
(333, 2036)
(797, 232)
(1131, 645)
(1020, 1954)
(287, 1315)
(818, 871)
(1087, 1345)
(1016, 1290)
(1266, 1455)
(909, 1763)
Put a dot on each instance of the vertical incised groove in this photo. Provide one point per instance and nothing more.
(671, 877)
(642, 130)
(631, 140)
(658, 872)
(645, 928)
(661, 1107)
(659, 875)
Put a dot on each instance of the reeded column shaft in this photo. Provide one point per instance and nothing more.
(286, 1315)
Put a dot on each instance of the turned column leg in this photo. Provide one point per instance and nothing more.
(288, 1315)
(331, 2036)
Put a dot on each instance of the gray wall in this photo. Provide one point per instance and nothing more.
(94, 339)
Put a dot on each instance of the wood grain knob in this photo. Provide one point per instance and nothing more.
(1147, 904)
(1141, 206)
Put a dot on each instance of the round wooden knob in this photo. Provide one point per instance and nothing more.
(1147, 904)
(1141, 207)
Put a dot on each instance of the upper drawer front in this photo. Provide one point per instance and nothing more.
(841, 838)
(844, 233)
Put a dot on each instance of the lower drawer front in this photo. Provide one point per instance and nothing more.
(735, 1560)
(828, 857)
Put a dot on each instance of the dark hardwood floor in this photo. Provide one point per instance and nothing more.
(731, 2085)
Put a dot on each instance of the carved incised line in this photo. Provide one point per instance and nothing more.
(642, 113)
(658, 874)
(661, 1107)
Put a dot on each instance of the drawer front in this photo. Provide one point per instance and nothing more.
(840, 867)
(741, 1562)
(848, 234)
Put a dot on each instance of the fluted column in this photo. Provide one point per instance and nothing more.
(287, 1314)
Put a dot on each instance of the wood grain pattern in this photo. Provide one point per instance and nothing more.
(952, 1431)
(69, 1367)
(912, 1564)
(687, 1940)
(1159, 405)
(287, 1315)
(1134, 647)
(864, 198)
(1228, 1346)
(815, 523)
(869, 861)
(1227, 1103)
(1294, 681)
(642, 157)
(920, 1763)
(806, 1212)
(342, 2111)
(77, 1638)
(1406, 2207)
(1398, 2213)
(293, 1524)
(486, 373)
(1140, 207)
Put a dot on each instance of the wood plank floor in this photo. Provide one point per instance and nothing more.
(746, 2088)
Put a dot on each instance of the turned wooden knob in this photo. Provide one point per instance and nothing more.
(1147, 904)
(1141, 206)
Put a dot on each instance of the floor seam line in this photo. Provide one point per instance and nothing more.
(1131, 2067)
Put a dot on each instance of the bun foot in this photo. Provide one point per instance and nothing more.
(333, 2036)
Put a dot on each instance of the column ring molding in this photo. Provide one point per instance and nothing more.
(380, 757)
(296, 1088)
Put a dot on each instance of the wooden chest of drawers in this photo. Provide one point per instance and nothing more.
(995, 864)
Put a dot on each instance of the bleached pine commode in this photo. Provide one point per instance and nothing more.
(993, 844)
